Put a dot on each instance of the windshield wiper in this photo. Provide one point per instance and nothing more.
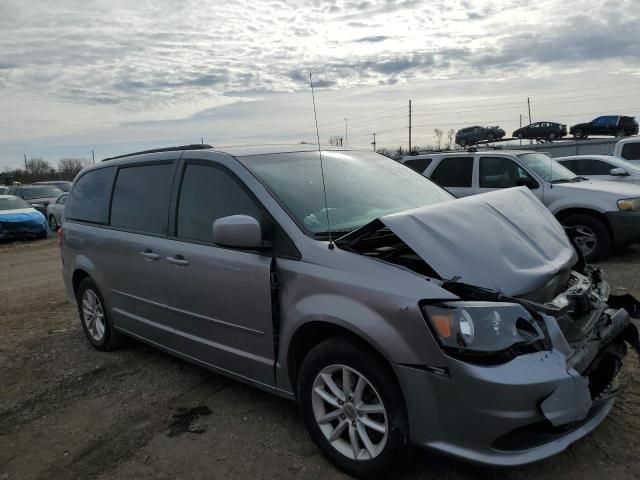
(561, 180)
(579, 179)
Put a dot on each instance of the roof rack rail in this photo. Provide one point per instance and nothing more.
(193, 146)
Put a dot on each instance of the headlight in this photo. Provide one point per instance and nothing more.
(629, 205)
(484, 329)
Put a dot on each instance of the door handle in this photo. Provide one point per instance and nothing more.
(178, 260)
(149, 255)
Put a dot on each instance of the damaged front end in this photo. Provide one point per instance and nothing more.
(535, 336)
(587, 325)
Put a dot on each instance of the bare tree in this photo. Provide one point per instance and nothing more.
(69, 167)
(450, 134)
(438, 134)
(38, 168)
(335, 141)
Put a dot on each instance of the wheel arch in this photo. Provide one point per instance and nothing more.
(312, 333)
(562, 214)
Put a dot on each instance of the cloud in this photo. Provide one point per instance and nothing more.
(168, 59)
(373, 39)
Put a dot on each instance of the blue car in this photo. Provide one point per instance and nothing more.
(20, 220)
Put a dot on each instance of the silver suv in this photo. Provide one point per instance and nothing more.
(604, 213)
(394, 314)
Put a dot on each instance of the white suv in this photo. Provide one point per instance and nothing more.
(604, 213)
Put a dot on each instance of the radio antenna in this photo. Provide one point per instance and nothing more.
(324, 188)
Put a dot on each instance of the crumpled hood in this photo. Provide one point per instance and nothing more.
(505, 240)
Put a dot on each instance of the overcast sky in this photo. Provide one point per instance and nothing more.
(116, 76)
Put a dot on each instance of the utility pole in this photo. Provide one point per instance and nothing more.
(374, 142)
(409, 127)
(529, 107)
(346, 133)
(202, 140)
(93, 156)
(25, 162)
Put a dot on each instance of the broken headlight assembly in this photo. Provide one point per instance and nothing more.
(484, 332)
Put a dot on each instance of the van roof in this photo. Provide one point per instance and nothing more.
(236, 151)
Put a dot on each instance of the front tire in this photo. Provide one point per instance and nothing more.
(53, 223)
(463, 143)
(94, 317)
(491, 137)
(579, 133)
(593, 236)
(621, 133)
(353, 409)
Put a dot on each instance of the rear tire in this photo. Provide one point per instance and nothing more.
(621, 133)
(94, 317)
(552, 136)
(462, 142)
(53, 224)
(520, 136)
(371, 428)
(491, 137)
(595, 240)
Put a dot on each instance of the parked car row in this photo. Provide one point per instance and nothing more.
(29, 211)
(468, 326)
(613, 125)
(18, 219)
(603, 213)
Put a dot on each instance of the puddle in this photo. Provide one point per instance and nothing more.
(183, 421)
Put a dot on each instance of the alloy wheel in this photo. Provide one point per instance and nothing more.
(93, 315)
(586, 239)
(349, 412)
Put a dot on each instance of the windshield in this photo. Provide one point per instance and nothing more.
(13, 203)
(547, 168)
(631, 165)
(64, 186)
(361, 186)
(40, 192)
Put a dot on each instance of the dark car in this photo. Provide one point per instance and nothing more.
(548, 130)
(613, 125)
(61, 184)
(18, 219)
(39, 196)
(475, 134)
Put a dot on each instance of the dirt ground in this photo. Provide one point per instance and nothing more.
(68, 411)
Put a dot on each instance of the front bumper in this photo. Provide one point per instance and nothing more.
(625, 227)
(520, 412)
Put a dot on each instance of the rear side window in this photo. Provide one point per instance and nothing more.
(141, 198)
(418, 164)
(593, 167)
(454, 172)
(631, 151)
(89, 200)
(208, 193)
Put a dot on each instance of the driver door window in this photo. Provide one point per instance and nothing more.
(208, 193)
(501, 172)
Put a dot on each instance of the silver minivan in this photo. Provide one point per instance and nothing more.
(393, 313)
(604, 213)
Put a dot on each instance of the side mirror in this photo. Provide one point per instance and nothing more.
(527, 182)
(618, 172)
(237, 231)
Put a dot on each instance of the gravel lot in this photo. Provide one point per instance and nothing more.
(68, 411)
